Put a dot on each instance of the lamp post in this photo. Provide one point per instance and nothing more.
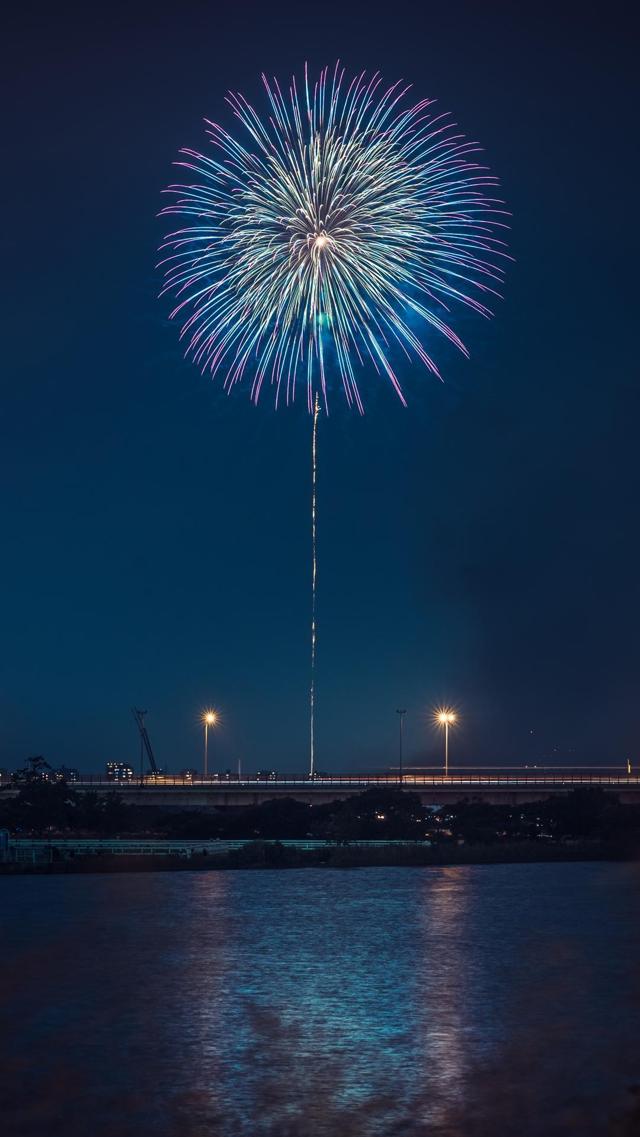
(446, 718)
(401, 714)
(209, 718)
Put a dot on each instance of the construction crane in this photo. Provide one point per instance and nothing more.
(145, 741)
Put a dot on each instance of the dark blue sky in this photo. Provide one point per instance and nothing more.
(479, 548)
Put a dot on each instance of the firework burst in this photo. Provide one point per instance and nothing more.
(333, 237)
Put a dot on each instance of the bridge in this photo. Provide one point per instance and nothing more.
(170, 791)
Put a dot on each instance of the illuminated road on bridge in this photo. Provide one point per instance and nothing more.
(432, 787)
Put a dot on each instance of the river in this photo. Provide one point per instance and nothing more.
(477, 1000)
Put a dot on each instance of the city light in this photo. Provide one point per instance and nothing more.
(445, 717)
(209, 718)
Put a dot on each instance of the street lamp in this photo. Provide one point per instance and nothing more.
(209, 718)
(445, 717)
(401, 713)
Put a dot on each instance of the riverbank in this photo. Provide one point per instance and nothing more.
(262, 855)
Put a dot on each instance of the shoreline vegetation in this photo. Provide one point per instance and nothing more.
(259, 856)
(379, 827)
(274, 855)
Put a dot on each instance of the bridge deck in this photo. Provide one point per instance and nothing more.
(367, 781)
(176, 791)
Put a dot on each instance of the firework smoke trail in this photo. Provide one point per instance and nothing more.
(332, 236)
(314, 574)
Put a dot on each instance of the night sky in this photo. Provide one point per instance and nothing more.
(479, 548)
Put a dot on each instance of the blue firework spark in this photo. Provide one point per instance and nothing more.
(335, 233)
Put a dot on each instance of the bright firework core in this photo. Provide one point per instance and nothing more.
(331, 238)
(316, 242)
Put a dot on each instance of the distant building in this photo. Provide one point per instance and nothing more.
(65, 774)
(119, 771)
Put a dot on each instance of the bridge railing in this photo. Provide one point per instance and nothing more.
(351, 781)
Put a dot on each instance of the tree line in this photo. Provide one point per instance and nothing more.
(42, 806)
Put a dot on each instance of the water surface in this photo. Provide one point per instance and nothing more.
(472, 999)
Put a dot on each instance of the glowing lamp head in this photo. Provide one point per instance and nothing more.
(445, 717)
(210, 718)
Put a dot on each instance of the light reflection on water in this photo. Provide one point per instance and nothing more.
(439, 1001)
(443, 914)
